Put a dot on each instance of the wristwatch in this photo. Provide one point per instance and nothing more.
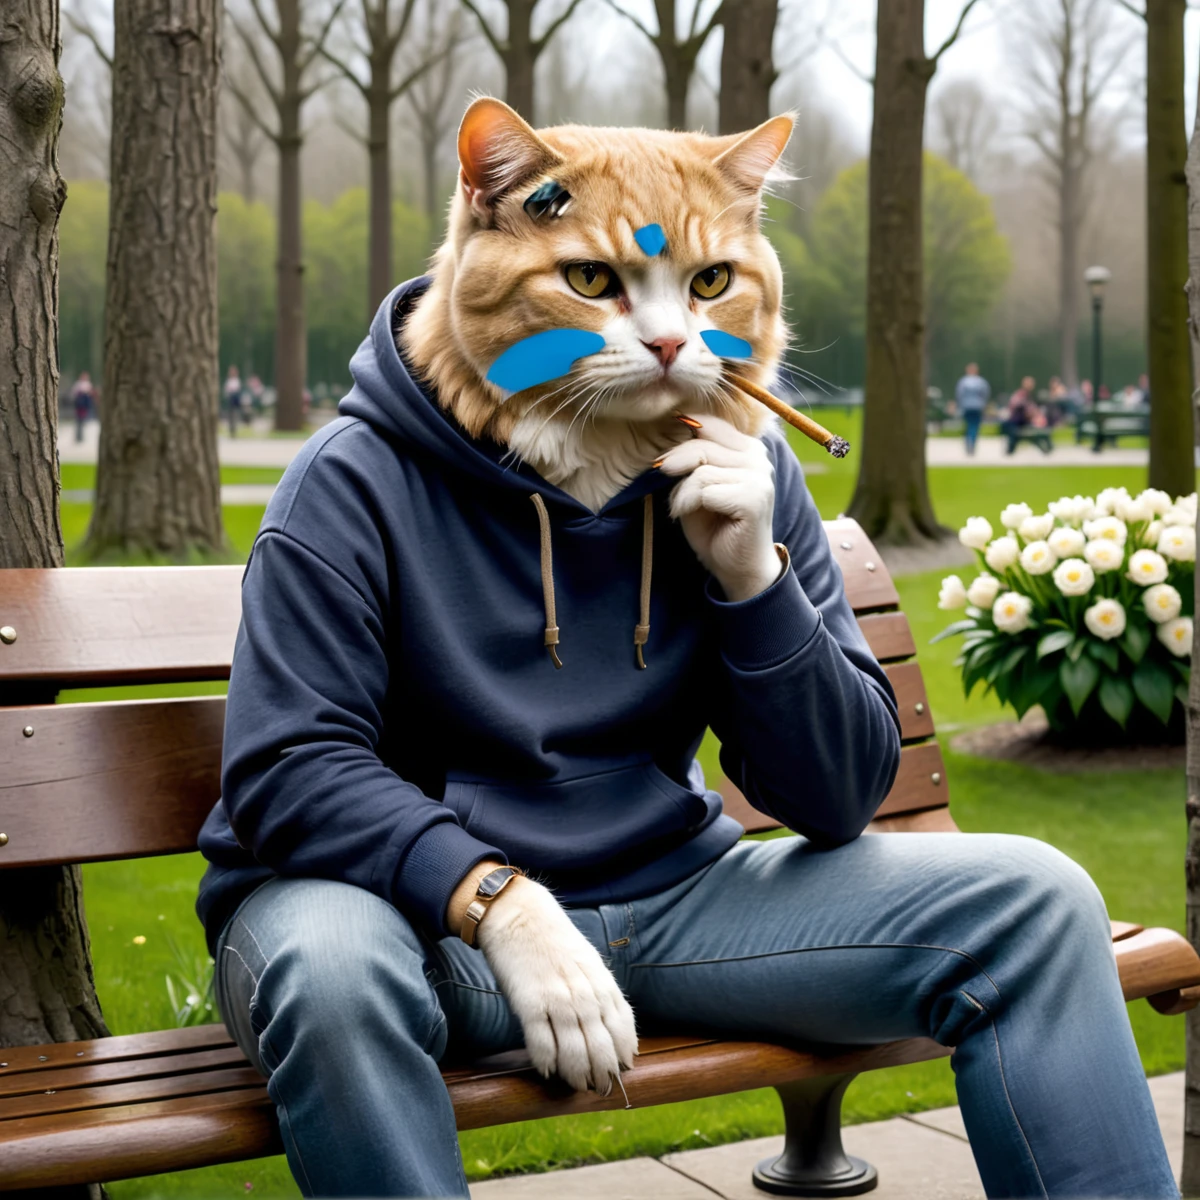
(490, 886)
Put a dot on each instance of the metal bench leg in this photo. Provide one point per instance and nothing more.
(813, 1162)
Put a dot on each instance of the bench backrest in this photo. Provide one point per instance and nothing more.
(133, 778)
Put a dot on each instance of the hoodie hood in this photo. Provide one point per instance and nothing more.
(387, 396)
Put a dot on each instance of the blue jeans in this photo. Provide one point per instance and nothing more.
(972, 420)
(996, 945)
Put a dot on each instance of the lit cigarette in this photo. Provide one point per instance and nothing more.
(837, 446)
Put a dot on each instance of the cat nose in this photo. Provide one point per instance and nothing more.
(665, 349)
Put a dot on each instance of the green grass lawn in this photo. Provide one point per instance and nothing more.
(1126, 829)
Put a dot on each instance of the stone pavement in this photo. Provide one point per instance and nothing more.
(924, 1156)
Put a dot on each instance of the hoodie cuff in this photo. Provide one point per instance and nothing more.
(433, 867)
(768, 628)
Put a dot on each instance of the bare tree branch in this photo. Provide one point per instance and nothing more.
(318, 42)
(850, 66)
(713, 21)
(344, 69)
(249, 43)
(251, 110)
(962, 16)
(261, 16)
(348, 129)
(1130, 8)
(488, 33)
(540, 44)
(627, 15)
(85, 29)
(418, 71)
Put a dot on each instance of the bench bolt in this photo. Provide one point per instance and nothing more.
(3, 839)
(920, 707)
(8, 634)
(870, 566)
(28, 731)
(847, 545)
(936, 777)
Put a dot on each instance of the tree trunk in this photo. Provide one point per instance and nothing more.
(379, 153)
(1190, 1182)
(747, 68)
(1069, 278)
(891, 497)
(1172, 436)
(519, 58)
(158, 481)
(434, 201)
(47, 991)
(678, 75)
(291, 336)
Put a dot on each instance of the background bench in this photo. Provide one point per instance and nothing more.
(1106, 423)
(130, 779)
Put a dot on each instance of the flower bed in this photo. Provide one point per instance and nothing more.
(1085, 610)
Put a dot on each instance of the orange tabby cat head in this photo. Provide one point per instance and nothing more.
(648, 238)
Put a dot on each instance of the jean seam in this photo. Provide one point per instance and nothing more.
(470, 987)
(1004, 1084)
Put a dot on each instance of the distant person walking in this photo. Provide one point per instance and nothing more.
(971, 394)
(233, 398)
(83, 397)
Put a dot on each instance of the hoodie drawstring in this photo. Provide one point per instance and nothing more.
(641, 631)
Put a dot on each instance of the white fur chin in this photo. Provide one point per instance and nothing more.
(591, 460)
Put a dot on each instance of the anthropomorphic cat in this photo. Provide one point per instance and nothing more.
(490, 614)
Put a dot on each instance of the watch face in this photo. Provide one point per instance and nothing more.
(489, 885)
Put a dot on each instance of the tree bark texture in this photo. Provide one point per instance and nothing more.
(1172, 430)
(291, 333)
(1190, 1181)
(379, 155)
(891, 497)
(47, 990)
(157, 480)
(519, 58)
(747, 67)
(31, 194)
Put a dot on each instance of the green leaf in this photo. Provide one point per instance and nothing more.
(1116, 698)
(1076, 649)
(1106, 653)
(1078, 679)
(951, 630)
(1181, 693)
(1135, 641)
(1155, 688)
(1060, 639)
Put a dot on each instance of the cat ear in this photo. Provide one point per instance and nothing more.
(497, 150)
(751, 160)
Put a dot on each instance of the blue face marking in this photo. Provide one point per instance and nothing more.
(651, 239)
(542, 357)
(726, 345)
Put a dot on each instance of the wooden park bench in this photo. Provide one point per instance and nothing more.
(1106, 423)
(127, 779)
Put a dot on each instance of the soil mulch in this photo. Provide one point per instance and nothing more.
(1029, 743)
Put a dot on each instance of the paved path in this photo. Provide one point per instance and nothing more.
(251, 449)
(920, 1157)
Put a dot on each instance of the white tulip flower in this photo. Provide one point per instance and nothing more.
(1178, 542)
(1108, 499)
(1014, 514)
(1162, 602)
(1037, 558)
(1146, 567)
(1153, 533)
(952, 593)
(1112, 528)
(1106, 619)
(976, 533)
(1132, 509)
(1104, 555)
(1002, 553)
(1036, 529)
(1176, 635)
(1066, 542)
(1071, 510)
(1156, 500)
(983, 591)
(1187, 503)
(1178, 516)
(1011, 612)
(1073, 577)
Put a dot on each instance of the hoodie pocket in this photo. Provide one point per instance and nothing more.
(577, 823)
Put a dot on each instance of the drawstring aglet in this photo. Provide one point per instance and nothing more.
(552, 645)
(554, 658)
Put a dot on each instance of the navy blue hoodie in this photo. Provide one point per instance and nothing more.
(394, 716)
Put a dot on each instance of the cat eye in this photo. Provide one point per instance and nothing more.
(712, 281)
(591, 279)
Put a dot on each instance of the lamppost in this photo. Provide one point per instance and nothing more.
(1096, 278)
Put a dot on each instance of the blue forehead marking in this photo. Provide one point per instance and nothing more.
(542, 357)
(651, 239)
(726, 345)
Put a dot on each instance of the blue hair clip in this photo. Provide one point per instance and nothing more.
(549, 200)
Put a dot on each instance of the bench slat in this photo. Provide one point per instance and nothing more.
(109, 780)
(889, 635)
(83, 626)
(112, 1049)
(868, 584)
